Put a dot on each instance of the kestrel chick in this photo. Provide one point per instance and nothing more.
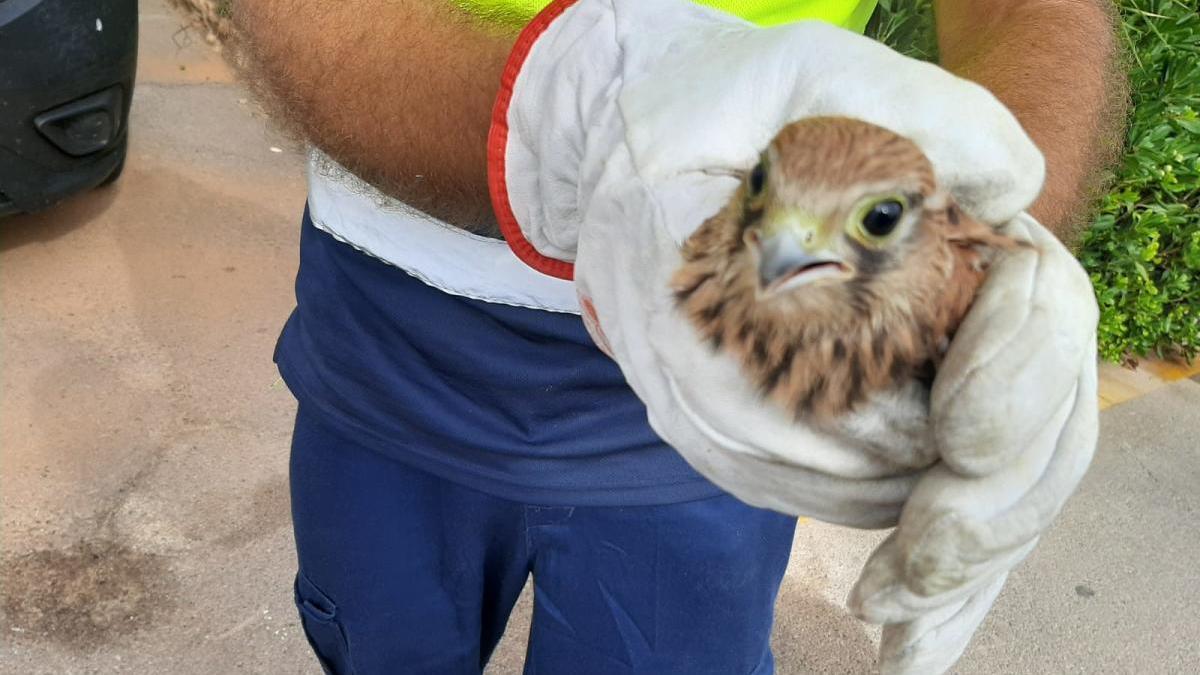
(838, 268)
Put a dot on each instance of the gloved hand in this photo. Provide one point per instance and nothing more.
(1015, 421)
(624, 124)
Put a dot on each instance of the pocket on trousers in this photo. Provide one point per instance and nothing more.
(319, 618)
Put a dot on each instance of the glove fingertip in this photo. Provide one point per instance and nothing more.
(879, 608)
(916, 658)
(881, 603)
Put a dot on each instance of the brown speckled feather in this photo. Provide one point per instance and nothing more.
(820, 349)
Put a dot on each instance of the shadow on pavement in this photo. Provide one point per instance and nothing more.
(47, 225)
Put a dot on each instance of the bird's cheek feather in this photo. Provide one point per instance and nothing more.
(869, 262)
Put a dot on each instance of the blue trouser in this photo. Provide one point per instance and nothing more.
(405, 572)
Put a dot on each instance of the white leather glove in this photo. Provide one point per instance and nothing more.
(621, 126)
(620, 130)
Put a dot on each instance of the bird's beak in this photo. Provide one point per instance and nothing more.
(793, 250)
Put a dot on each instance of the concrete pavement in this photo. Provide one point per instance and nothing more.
(144, 431)
(143, 501)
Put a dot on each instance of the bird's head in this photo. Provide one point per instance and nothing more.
(833, 202)
(838, 266)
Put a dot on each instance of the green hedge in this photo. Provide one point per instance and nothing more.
(1142, 249)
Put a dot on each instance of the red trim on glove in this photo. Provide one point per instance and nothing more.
(498, 141)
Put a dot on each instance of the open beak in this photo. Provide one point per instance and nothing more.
(793, 255)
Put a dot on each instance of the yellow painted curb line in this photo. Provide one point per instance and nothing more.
(1119, 384)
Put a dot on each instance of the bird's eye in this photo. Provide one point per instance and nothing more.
(758, 179)
(879, 219)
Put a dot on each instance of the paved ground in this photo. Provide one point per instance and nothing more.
(144, 431)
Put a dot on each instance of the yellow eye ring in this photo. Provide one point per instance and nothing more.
(877, 220)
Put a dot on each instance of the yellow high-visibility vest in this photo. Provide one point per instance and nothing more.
(851, 14)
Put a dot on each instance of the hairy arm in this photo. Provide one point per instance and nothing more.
(1056, 65)
(398, 91)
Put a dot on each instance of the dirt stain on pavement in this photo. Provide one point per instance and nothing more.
(86, 596)
(268, 510)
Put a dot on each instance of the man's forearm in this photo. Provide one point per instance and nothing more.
(1055, 64)
(399, 91)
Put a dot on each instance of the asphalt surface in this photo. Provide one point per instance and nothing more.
(144, 431)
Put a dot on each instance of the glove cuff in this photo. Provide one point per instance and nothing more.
(556, 120)
(554, 76)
